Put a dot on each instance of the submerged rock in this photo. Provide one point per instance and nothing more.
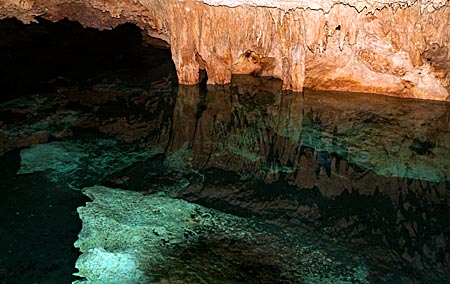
(60, 157)
(78, 163)
(130, 237)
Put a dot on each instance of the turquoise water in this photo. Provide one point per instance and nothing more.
(242, 183)
(329, 187)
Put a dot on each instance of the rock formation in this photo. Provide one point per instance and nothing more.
(398, 48)
(174, 241)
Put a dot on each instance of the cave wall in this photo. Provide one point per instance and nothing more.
(398, 49)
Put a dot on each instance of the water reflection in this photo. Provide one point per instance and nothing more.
(391, 137)
(366, 166)
(360, 168)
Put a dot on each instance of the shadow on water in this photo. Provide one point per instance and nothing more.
(354, 175)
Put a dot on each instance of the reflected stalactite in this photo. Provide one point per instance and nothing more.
(272, 131)
(361, 163)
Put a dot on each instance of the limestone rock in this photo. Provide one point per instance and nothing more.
(363, 46)
(130, 237)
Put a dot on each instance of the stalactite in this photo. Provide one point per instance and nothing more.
(345, 45)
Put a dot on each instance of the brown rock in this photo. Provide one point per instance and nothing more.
(398, 48)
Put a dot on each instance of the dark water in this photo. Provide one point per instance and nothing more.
(365, 178)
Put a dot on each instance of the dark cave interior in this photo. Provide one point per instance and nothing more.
(44, 56)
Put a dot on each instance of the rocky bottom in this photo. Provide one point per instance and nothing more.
(148, 235)
(131, 237)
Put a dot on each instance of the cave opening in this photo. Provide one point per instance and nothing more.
(43, 56)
